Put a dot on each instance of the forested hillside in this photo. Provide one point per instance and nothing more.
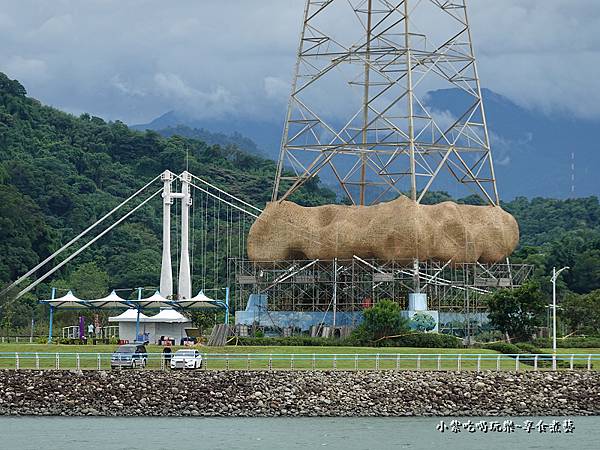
(59, 173)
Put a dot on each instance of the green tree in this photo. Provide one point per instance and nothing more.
(89, 282)
(383, 319)
(516, 312)
(582, 312)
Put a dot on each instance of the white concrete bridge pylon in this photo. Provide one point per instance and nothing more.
(184, 290)
(188, 181)
(166, 271)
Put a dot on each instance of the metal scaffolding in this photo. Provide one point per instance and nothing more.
(358, 109)
(352, 285)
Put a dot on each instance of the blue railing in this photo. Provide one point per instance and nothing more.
(308, 361)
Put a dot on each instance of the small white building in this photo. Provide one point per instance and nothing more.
(168, 322)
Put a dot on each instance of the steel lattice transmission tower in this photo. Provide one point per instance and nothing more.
(358, 111)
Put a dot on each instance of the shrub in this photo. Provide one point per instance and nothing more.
(517, 312)
(575, 342)
(503, 347)
(298, 341)
(382, 320)
(427, 340)
(528, 348)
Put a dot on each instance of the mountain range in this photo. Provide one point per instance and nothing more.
(535, 154)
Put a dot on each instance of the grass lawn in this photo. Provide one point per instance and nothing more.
(243, 357)
(277, 357)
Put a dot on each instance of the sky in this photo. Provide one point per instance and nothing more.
(133, 60)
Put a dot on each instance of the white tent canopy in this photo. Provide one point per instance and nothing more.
(156, 301)
(111, 301)
(130, 315)
(200, 301)
(169, 316)
(67, 301)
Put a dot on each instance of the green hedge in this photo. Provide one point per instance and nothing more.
(575, 342)
(426, 340)
(298, 341)
(503, 347)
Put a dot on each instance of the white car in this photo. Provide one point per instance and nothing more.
(186, 359)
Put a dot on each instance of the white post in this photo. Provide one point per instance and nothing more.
(571, 363)
(17, 365)
(554, 318)
(37, 361)
(458, 362)
(535, 363)
(99, 363)
(439, 362)
(517, 364)
(185, 277)
(166, 271)
(498, 363)
(78, 362)
(478, 363)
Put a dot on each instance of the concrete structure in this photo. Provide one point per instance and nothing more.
(166, 274)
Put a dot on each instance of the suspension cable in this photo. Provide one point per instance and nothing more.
(62, 263)
(226, 193)
(79, 236)
(225, 201)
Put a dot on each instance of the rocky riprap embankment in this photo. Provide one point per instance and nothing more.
(284, 393)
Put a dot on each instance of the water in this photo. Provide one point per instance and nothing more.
(306, 433)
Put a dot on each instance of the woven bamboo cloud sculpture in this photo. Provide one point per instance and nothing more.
(400, 230)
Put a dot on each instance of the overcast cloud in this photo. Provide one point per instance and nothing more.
(136, 59)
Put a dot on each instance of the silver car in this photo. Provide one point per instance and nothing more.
(186, 359)
(129, 356)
